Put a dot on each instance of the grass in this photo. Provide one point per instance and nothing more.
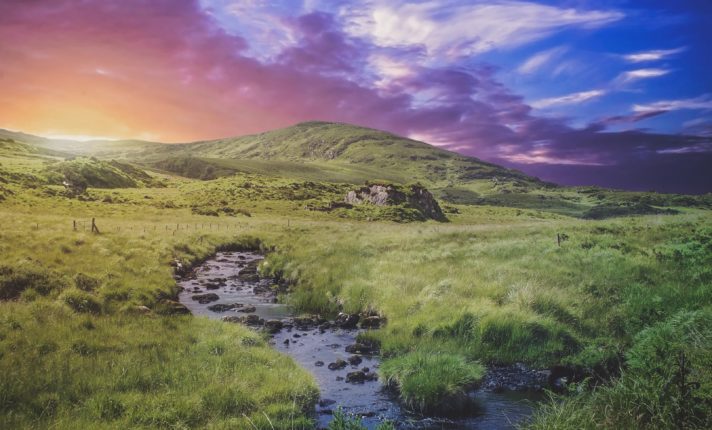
(141, 371)
(432, 382)
(620, 300)
(342, 422)
(77, 352)
(667, 383)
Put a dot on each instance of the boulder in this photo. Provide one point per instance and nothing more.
(273, 326)
(143, 309)
(347, 321)
(171, 307)
(361, 348)
(337, 365)
(247, 309)
(306, 322)
(355, 360)
(357, 377)
(326, 402)
(253, 320)
(415, 197)
(371, 322)
(205, 298)
(224, 307)
(249, 272)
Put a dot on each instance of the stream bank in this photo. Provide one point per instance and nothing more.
(228, 287)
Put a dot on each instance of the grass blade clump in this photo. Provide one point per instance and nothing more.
(432, 382)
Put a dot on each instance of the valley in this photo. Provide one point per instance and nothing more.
(607, 290)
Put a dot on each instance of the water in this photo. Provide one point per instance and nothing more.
(369, 400)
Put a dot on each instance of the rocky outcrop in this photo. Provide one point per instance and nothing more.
(413, 196)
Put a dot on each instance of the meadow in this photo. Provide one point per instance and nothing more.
(87, 339)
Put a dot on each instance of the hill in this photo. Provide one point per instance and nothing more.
(347, 154)
(358, 150)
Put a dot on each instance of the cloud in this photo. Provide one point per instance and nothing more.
(636, 75)
(453, 29)
(702, 102)
(636, 117)
(540, 59)
(186, 76)
(569, 99)
(653, 55)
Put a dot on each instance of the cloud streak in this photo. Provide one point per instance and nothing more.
(534, 63)
(575, 98)
(653, 55)
(452, 29)
(640, 74)
(703, 102)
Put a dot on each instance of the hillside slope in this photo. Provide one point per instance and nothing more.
(350, 145)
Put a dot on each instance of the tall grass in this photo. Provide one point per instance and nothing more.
(492, 286)
(432, 382)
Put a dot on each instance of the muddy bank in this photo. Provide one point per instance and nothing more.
(228, 287)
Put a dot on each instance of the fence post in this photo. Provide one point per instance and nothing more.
(94, 228)
(558, 239)
(74, 224)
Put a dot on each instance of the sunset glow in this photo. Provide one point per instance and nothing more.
(601, 83)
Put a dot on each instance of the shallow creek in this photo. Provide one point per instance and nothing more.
(229, 279)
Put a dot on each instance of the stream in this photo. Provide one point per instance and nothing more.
(228, 287)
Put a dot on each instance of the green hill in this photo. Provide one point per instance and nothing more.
(347, 154)
(363, 152)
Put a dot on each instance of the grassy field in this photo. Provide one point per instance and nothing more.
(624, 302)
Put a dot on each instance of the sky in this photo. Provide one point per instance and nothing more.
(614, 93)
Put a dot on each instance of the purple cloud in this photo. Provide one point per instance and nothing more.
(174, 72)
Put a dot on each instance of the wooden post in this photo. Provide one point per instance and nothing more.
(94, 228)
(74, 223)
(558, 239)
